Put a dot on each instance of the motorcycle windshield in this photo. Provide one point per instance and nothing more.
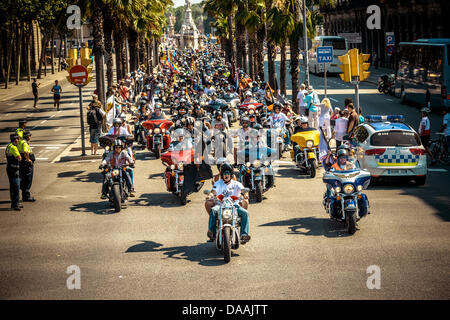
(263, 153)
(161, 123)
(301, 138)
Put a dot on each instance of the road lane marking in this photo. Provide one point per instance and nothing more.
(52, 116)
(57, 129)
(41, 158)
(59, 111)
(44, 121)
(390, 100)
(437, 170)
(53, 148)
(334, 99)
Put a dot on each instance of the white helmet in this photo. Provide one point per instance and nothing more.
(248, 94)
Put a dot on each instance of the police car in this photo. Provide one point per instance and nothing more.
(388, 147)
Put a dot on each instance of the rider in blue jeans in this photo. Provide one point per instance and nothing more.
(227, 187)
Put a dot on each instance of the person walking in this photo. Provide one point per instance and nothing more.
(312, 105)
(57, 90)
(26, 166)
(34, 86)
(94, 119)
(340, 128)
(425, 132)
(325, 115)
(301, 100)
(13, 159)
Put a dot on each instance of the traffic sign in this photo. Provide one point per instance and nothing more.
(390, 39)
(79, 75)
(324, 54)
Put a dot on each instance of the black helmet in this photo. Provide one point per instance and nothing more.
(218, 113)
(117, 142)
(342, 153)
(226, 169)
(277, 105)
(190, 120)
(27, 133)
(23, 121)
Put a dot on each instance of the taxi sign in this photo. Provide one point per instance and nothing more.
(79, 75)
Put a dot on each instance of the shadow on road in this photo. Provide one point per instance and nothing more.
(311, 226)
(88, 177)
(205, 254)
(100, 207)
(165, 200)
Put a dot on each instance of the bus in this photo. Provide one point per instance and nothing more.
(423, 72)
(340, 47)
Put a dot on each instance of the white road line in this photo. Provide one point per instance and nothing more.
(334, 99)
(30, 114)
(26, 106)
(44, 121)
(6, 114)
(41, 158)
(57, 129)
(437, 170)
(52, 116)
(59, 111)
(390, 100)
(53, 148)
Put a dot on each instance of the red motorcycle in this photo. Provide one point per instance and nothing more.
(175, 161)
(249, 109)
(158, 139)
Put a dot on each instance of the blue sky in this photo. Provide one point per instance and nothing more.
(177, 3)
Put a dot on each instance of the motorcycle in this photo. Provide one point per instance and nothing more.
(280, 133)
(140, 132)
(249, 109)
(344, 200)
(386, 84)
(118, 193)
(228, 225)
(306, 151)
(158, 138)
(258, 175)
(178, 161)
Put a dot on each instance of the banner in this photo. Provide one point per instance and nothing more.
(110, 110)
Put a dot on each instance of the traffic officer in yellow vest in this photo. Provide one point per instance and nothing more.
(26, 166)
(12, 169)
(21, 128)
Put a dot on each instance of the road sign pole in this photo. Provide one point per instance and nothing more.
(83, 147)
(357, 95)
(325, 78)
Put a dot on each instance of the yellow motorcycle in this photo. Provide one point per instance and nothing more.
(305, 151)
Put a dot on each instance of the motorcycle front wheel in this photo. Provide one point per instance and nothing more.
(157, 153)
(226, 243)
(117, 199)
(312, 168)
(350, 221)
(258, 191)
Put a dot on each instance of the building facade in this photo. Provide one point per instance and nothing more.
(408, 20)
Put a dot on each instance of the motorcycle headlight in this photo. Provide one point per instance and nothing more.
(226, 214)
(359, 188)
(266, 163)
(348, 188)
(157, 130)
(163, 130)
(198, 123)
(150, 131)
(256, 163)
(251, 112)
(278, 130)
(309, 143)
(337, 189)
(115, 172)
(180, 166)
(172, 166)
(247, 164)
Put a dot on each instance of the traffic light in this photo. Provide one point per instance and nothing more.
(86, 61)
(364, 66)
(345, 67)
(72, 59)
(354, 64)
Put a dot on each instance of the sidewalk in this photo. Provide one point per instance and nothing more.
(376, 73)
(25, 86)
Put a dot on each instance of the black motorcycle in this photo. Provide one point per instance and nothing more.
(118, 193)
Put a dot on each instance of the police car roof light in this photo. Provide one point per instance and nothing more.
(391, 118)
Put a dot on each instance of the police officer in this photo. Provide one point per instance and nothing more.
(21, 128)
(12, 169)
(26, 166)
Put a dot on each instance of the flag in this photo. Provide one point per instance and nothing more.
(324, 148)
(110, 110)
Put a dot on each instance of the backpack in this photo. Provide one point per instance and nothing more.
(92, 119)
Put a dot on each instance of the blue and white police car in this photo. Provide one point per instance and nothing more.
(388, 147)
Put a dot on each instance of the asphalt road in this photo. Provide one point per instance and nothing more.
(157, 249)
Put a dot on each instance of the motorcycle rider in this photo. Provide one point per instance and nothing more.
(158, 114)
(279, 119)
(243, 136)
(117, 158)
(117, 129)
(248, 98)
(343, 163)
(226, 187)
(301, 123)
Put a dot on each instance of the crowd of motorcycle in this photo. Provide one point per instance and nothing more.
(192, 116)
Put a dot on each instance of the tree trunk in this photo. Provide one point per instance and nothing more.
(28, 50)
(18, 51)
(98, 47)
(52, 52)
(293, 46)
(60, 51)
(125, 58)
(251, 50)
(240, 43)
(45, 56)
(9, 58)
(107, 26)
(118, 50)
(233, 51)
(283, 69)
(41, 60)
(133, 49)
(261, 34)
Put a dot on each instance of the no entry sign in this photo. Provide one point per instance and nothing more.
(78, 74)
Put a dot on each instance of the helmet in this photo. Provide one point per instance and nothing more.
(123, 116)
(220, 162)
(23, 121)
(158, 105)
(213, 94)
(27, 133)
(225, 169)
(302, 119)
(426, 110)
(182, 100)
(117, 120)
(245, 119)
(117, 142)
(178, 133)
(342, 153)
(190, 120)
(248, 94)
(277, 105)
(218, 113)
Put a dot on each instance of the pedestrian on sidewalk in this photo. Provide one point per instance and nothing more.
(347, 101)
(340, 129)
(325, 115)
(361, 117)
(34, 86)
(312, 105)
(95, 117)
(301, 100)
(353, 120)
(12, 170)
(57, 90)
(425, 132)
